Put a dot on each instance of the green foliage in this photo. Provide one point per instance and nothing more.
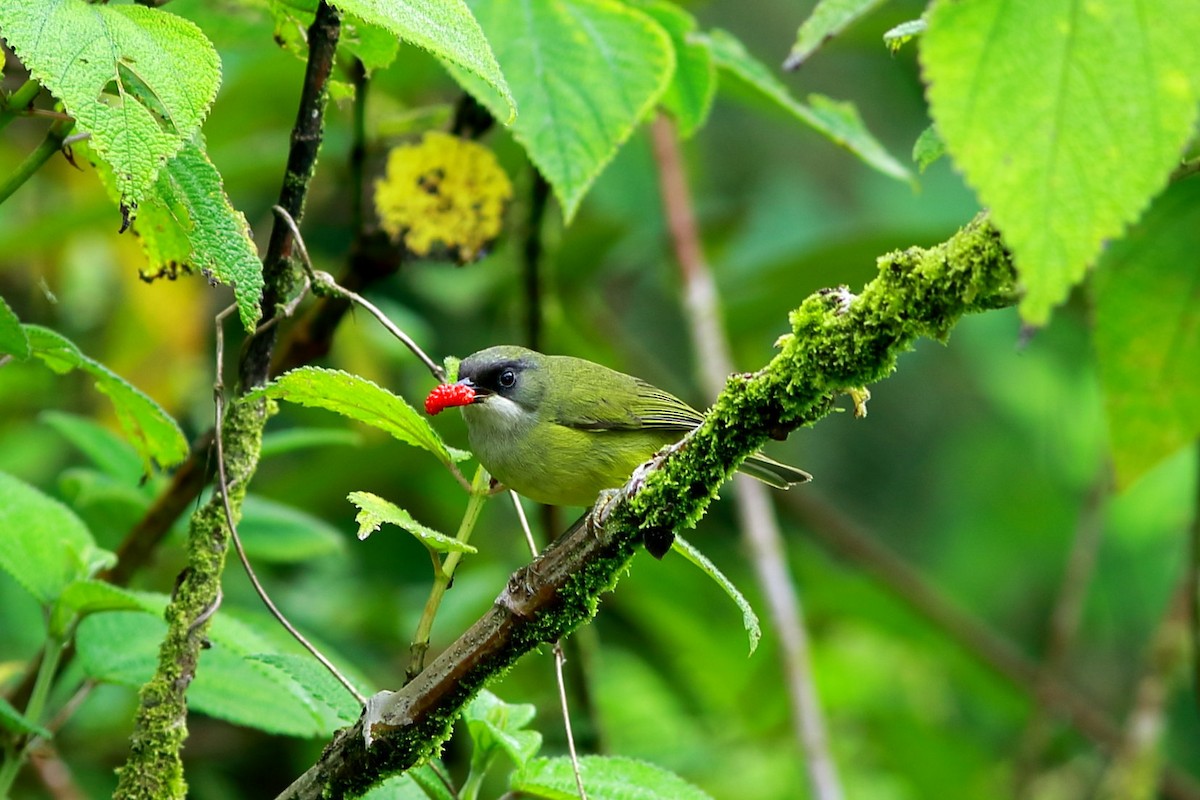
(151, 431)
(373, 511)
(107, 451)
(606, 778)
(45, 547)
(12, 337)
(139, 80)
(1147, 333)
(16, 722)
(701, 562)
(838, 122)
(445, 28)
(362, 400)
(584, 73)
(928, 148)
(1041, 105)
(274, 532)
(499, 727)
(1067, 131)
(828, 19)
(243, 677)
(904, 33)
(689, 96)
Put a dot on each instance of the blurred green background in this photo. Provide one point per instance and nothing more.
(976, 464)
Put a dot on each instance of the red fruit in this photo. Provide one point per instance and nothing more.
(448, 395)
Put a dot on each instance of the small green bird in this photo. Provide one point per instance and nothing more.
(558, 430)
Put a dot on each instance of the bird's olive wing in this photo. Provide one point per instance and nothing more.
(625, 404)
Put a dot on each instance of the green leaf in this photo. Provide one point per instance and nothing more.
(153, 433)
(323, 692)
(827, 20)
(359, 399)
(584, 73)
(139, 80)
(187, 224)
(90, 596)
(43, 545)
(374, 511)
(838, 122)
(902, 34)
(446, 29)
(1147, 333)
(689, 96)
(283, 534)
(1066, 118)
(749, 618)
(12, 336)
(277, 443)
(16, 722)
(495, 725)
(606, 778)
(109, 506)
(374, 45)
(928, 148)
(105, 449)
(232, 683)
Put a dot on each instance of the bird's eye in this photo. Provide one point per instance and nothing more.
(507, 379)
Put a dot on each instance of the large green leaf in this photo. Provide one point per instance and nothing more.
(152, 432)
(90, 596)
(235, 681)
(1147, 333)
(828, 19)
(445, 28)
(283, 534)
(584, 73)
(43, 545)
(838, 122)
(138, 79)
(12, 336)
(186, 224)
(113, 455)
(360, 399)
(606, 777)
(1066, 118)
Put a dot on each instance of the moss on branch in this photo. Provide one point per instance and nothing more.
(839, 342)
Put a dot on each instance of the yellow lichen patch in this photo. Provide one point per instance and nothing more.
(446, 192)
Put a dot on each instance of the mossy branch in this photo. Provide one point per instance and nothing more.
(838, 342)
(154, 769)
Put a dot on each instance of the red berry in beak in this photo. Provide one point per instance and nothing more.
(448, 395)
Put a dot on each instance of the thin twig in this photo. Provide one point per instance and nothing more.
(223, 488)
(757, 521)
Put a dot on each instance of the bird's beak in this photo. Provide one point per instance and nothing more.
(478, 393)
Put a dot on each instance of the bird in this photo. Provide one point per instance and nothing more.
(559, 430)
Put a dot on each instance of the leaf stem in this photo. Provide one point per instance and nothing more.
(18, 101)
(14, 757)
(49, 146)
(443, 576)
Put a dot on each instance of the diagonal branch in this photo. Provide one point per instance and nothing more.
(839, 342)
